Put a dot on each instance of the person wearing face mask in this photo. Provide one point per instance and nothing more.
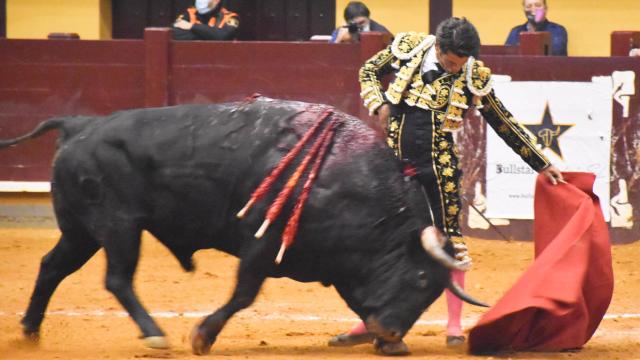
(207, 20)
(536, 13)
(356, 14)
(437, 80)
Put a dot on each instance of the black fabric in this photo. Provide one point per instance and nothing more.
(431, 75)
(416, 148)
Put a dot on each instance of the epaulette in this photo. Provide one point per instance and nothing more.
(407, 45)
(478, 79)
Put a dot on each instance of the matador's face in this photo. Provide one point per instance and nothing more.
(449, 61)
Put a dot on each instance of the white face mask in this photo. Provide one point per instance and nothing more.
(203, 6)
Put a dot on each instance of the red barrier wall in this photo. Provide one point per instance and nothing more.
(45, 78)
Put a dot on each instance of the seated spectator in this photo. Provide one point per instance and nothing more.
(356, 14)
(536, 13)
(207, 20)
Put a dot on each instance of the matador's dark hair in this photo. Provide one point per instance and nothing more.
(459, 36)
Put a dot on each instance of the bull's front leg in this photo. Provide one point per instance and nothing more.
(250, 278)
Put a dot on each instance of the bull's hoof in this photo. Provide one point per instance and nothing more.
(200, 345)
(398, 348)
(156, 342)
(31, 335)
(351, 340)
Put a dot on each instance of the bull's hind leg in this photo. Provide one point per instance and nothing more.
(251, 275)
(122, 245)
(72, 251)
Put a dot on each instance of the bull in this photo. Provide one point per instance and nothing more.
(182, 173)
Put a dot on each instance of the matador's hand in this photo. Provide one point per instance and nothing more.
(183, 24)
(384, 111)
(553, 174)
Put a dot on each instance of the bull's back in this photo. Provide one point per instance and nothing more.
(183, 172)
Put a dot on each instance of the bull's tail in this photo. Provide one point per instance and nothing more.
(60, 123)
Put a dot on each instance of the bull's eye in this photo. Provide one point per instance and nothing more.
(422, 280)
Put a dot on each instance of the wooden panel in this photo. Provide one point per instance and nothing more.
(45, 78)
(322, 17)
(160, 13)
(297, 20)
(129, 18)
(3, 18)
(71, 51)
(272, 24)
(318, 72)
(438, 11)
(248, 12)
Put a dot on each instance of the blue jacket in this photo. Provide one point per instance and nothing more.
(558, 36)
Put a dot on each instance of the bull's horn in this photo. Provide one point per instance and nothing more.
(457, 291)
(430, 240)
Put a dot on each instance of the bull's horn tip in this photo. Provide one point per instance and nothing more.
(263, 229)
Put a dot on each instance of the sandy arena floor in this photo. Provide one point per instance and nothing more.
(289, 320)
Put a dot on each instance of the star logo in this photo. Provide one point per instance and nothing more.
(548, 133)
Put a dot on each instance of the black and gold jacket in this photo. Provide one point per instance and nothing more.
(449, 96)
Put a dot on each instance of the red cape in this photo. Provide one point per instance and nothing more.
(560, 300)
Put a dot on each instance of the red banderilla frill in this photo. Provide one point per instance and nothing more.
(291, 229)
(266, 184)
(281, 199)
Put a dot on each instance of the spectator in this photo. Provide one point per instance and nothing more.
(356, 15)
(536, 13)
(635, 52)
(207, 20)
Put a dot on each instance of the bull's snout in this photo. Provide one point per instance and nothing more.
(386, 334)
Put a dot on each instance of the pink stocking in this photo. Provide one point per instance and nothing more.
(360, 328)
(454, 306)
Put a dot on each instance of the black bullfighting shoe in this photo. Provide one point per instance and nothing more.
(455, 341)
(351, 340)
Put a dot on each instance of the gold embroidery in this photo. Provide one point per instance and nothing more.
(450, 187)
(444, 159)
(452, 210)
(525, 151)
(447, 172)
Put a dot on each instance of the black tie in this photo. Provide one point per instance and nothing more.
(429, 76)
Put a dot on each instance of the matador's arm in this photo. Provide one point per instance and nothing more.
(369, 77)
(521, 141)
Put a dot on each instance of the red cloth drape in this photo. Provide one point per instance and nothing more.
(561, 298)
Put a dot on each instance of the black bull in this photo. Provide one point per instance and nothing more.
(182, 173)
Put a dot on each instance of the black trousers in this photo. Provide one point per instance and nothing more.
(418, 140)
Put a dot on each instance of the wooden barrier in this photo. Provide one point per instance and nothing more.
(45, 78)
(623, 41)
(535, 43)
